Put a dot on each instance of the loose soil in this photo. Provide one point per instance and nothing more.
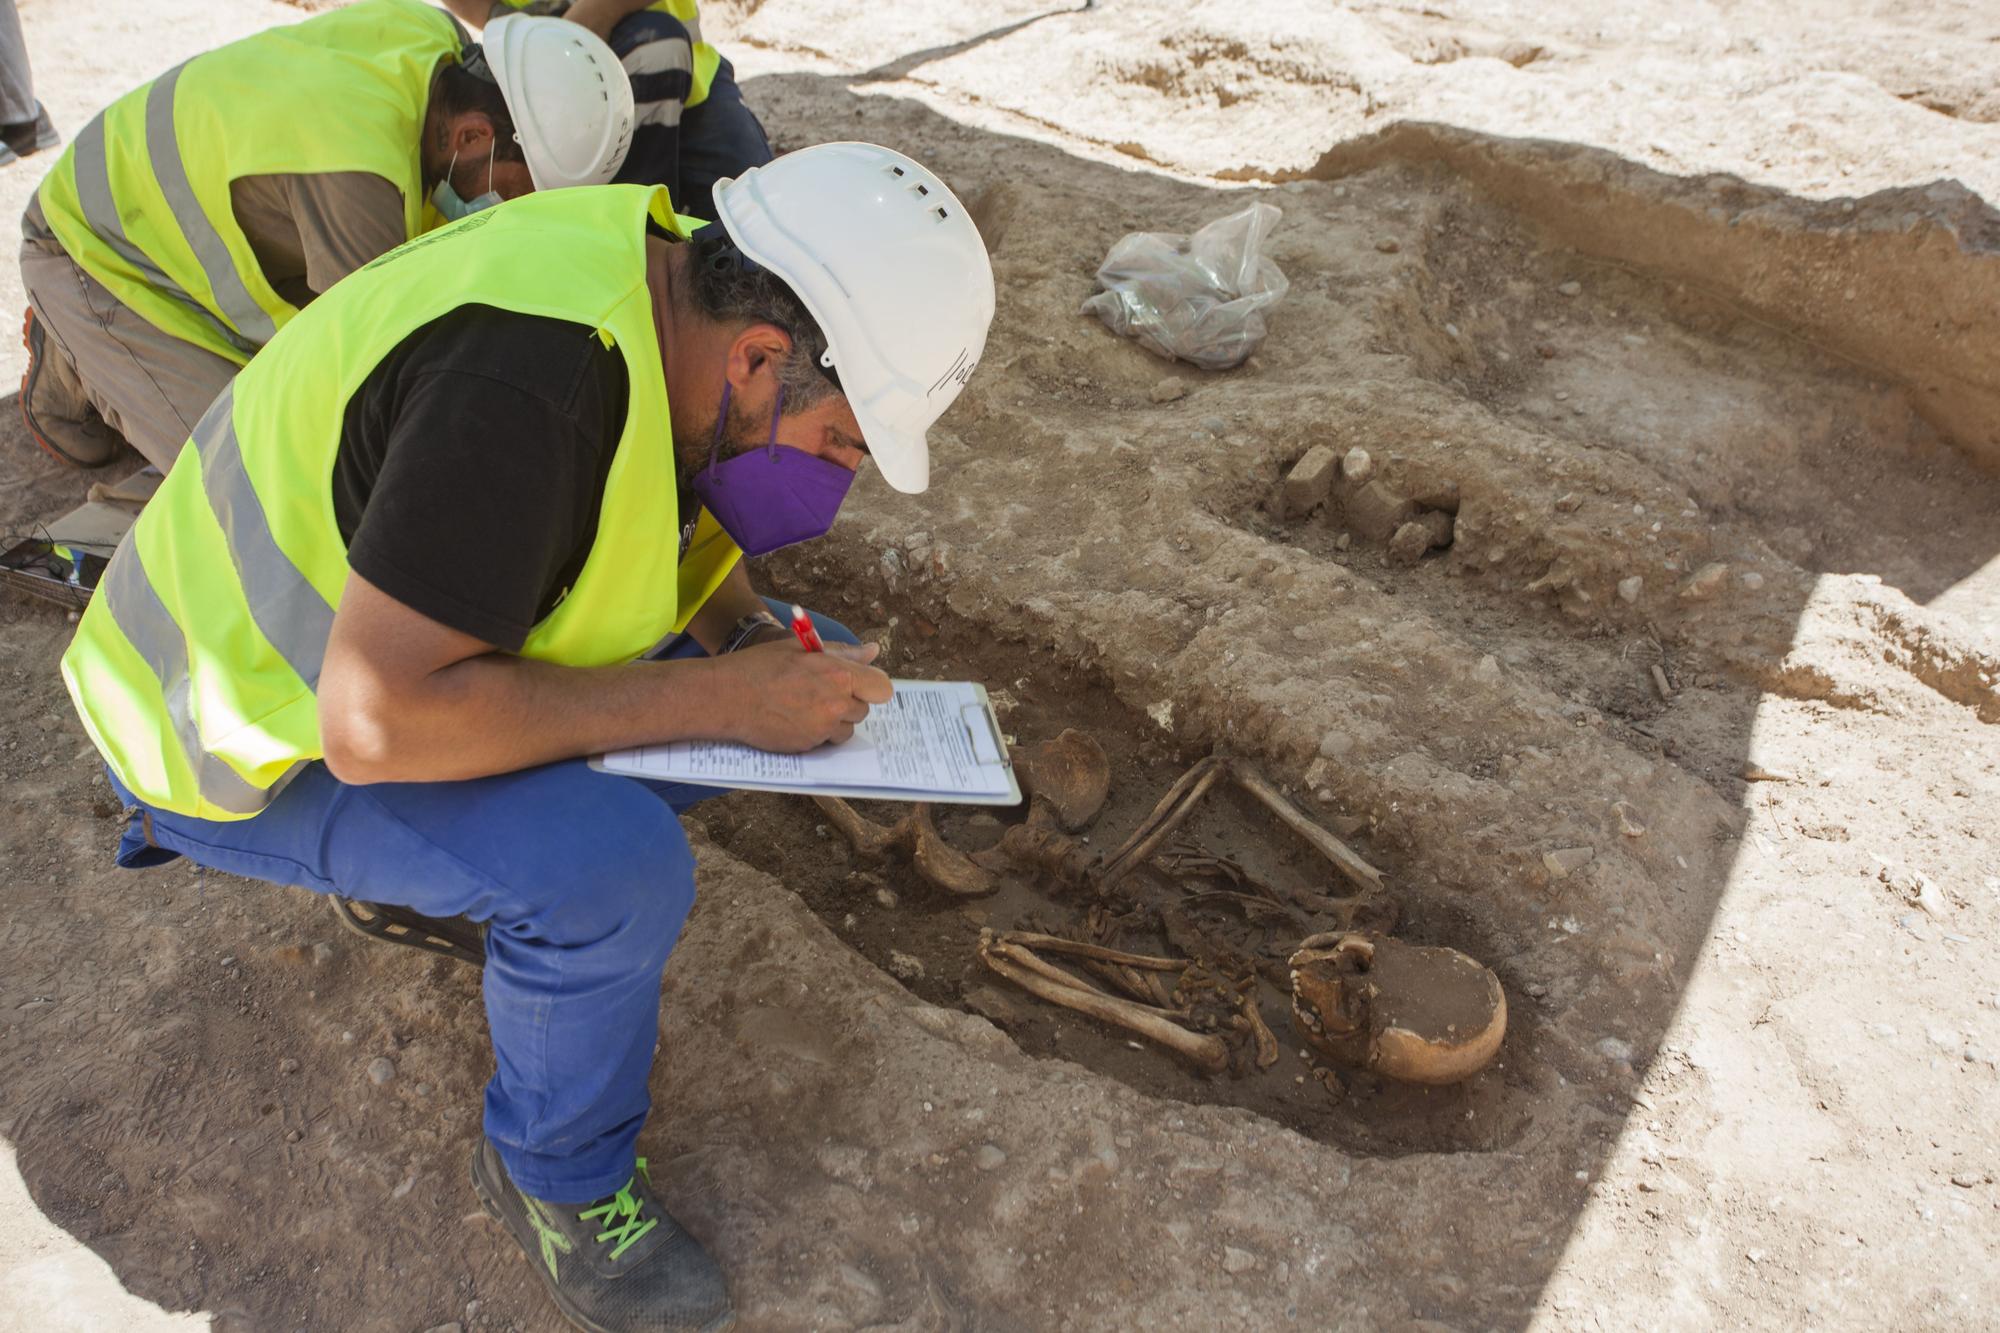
(1687, 325)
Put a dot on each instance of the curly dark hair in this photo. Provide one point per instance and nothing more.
(728, 288)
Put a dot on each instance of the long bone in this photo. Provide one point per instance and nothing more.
(935, 859)
(1014, 960)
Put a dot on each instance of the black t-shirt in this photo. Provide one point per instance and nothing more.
(472, 464)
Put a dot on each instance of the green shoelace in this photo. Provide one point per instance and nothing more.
(620, 1215)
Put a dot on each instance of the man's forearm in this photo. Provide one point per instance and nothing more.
(732, 600)
(497, 713)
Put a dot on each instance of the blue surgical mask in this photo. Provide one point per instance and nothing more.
(447, 199)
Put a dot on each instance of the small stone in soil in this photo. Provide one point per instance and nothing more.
(288, 1066)
(1356, 465)
(989, 1158)
(322, 954)
(1168, 390)
(1566, 860)
(1387, 246)
(1629, 589)
(380, 1070)
(1237, 1261)
(1571, 288)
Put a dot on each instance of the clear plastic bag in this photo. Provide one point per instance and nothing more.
(1199, 298)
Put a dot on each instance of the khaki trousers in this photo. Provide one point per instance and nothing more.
(148, 386)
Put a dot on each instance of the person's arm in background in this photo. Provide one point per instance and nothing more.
(345, 219)
(600, 16)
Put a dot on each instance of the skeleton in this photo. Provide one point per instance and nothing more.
(1426, 1015)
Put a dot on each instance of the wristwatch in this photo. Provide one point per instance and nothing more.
(739, 633)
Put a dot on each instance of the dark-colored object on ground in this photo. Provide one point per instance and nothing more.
(456, 937)
(619, 1264)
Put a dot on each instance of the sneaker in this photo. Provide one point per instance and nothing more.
(615, 1265)
(54, 410)
(29, 136)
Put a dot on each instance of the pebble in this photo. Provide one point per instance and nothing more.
(989, 1158)
(906, 967)
(1571, 288)
(1752, 580)
(453, 1327)
(423, 1089)
(1706, 582)
(1306, 486)
(347, 1037)
(1628, 822)
(1931, 898)
(1170, 389)
(1965, 1180)
(1237, 1261)
(1215, 426)
(1356, 465)
(1387, 245)
(1629, 589)
(288, 1066)
(886, 896)
(380, 1070)
(1410, 544)
(1567, 860)
(229, 961)
(1569, 504)
(293, 1136)
(322, 954)
(1612, 1048)
(860, 1281)
(1536, 990)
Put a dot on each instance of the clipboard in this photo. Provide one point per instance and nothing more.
(933, 741)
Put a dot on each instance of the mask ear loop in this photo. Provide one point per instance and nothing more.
(777, 410)
(721, 425)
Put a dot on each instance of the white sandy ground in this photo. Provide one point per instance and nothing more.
(1816, 98)
(55, 1285)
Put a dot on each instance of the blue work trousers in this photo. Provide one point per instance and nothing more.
(583, 880)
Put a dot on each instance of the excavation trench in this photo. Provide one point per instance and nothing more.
(927, 939)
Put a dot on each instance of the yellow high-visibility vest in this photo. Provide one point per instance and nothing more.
(195, 667)
(705, 58)
(140, 198)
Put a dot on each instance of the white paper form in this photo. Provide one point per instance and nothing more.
(933, 741)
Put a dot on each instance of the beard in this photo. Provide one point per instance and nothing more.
(691, 454)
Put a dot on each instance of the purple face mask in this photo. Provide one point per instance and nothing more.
(770, 497)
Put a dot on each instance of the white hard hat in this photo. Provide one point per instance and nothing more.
(570, 98)
(891, 266)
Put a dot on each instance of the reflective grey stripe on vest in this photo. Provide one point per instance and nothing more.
(100, 214)
(288, 610)
(163, 148)
(143, 619)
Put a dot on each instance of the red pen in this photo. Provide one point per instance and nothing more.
(803, 627)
